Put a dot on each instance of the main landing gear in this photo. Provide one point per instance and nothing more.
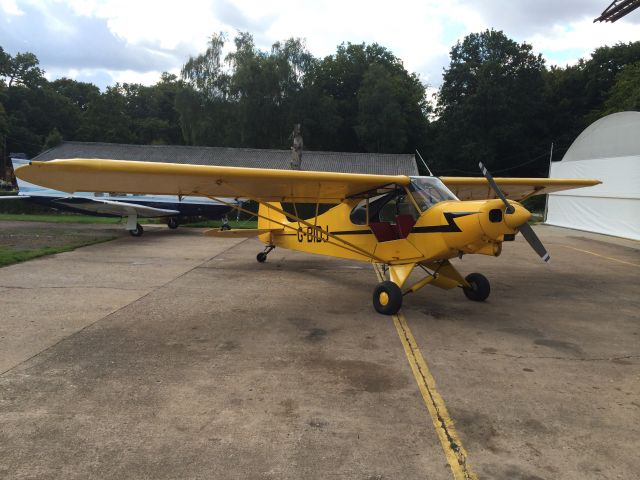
(138, 231)
(478, 289)
(262, 256)
(173, 223)
(388, 295)
(387, 298)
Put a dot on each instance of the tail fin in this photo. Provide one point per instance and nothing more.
(269, 218)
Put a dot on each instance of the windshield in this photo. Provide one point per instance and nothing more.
(427, 191)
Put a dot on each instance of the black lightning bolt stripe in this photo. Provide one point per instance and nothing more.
(353, 232)
(450, 227)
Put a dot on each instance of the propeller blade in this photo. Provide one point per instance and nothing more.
(533, 240)
(495, 188)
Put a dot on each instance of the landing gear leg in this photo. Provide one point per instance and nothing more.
(134, 228)
(262, 256)
(138, 231)
(225, 224)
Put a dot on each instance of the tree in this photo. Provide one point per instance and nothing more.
(491, 107)
(342, 76)
(22, 69)
(106, 119)
(53, 139)
(381, 124)
(80, 94)
(625, 93)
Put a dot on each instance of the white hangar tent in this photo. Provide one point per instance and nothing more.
(607, 150)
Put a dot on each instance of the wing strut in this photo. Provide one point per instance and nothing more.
(349, 246)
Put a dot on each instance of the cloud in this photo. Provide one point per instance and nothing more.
(62, 40)
(130, 40)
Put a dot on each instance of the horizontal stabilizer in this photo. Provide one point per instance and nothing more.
(240, 232)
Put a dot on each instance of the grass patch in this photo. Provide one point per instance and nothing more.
(88, 219)
(9, 255)
(57, 218)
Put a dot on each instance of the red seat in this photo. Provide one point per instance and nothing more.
(404, 225)
(383, 231)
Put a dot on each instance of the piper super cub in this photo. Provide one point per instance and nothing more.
(398, 221)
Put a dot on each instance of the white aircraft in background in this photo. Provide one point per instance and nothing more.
(173, 208)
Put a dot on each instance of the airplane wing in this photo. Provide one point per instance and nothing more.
(518, 189)
(261, 184)
(112, 207)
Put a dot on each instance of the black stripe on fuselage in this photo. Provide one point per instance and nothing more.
(451, 225)
(353, 232)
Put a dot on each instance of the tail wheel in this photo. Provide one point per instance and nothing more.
(261, 257)
(387, 298)
(173, 223)
(138, 231)
(479, 288)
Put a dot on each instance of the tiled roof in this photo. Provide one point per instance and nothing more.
(374, 163)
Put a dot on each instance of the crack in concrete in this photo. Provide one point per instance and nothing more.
(79, 286)
(547, 357)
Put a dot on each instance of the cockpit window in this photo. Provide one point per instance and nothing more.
(384, 208)
(427, 191)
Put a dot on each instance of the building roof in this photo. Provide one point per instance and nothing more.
(372, 163)
(616, 135)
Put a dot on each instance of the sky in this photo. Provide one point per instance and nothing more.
(109, 41)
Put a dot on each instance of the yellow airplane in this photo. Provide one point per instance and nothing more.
(398, 221)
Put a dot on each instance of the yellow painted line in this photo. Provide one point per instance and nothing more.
(598, 255)
(451, 444)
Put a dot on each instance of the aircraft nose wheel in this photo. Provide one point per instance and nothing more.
(138, 231)
(262, 256)
(480, 287)
(387, 298)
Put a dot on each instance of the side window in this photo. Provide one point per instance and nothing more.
(384, 208)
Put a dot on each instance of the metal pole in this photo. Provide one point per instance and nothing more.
(424, 163)
(546, 200)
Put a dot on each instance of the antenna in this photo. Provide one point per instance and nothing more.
(424, 163)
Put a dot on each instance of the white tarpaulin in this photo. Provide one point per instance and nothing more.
(608, 150)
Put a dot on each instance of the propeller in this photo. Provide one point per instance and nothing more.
(526, 230)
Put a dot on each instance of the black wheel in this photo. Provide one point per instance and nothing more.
(225, 226)
(387, 298)
(261, 257)
(138, 231)
(480, 288)
(173, 223)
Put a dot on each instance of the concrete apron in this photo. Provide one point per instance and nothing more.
(232, 370)
(48, 299)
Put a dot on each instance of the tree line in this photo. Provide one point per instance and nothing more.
(499, 102)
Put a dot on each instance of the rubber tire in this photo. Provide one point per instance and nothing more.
(173, 223)
(261, 257)
(225, 226)
(138, 231)
(395, 298)
(480, 287)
